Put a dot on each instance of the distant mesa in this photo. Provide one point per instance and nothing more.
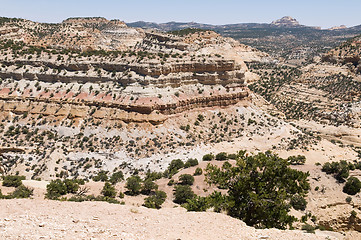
(286, 22)
(93, 20)
(338, 27)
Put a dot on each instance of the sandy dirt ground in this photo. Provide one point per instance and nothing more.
(42, 219)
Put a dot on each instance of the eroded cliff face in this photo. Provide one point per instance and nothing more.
(144, 71)
(348, 54)
(175, 74)
(96, 92)
(131, 105)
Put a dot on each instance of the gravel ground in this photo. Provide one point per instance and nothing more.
(42, 219)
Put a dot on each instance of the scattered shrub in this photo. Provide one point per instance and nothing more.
(340, 170)
(133, 185)
(308, 228)
(191, 162)
(72, 186)
(171, 182)
(232, 156)
(93, 198)
(198, 171)
(22, 192)
(221, 156)
(353, 214)
(108, 190)
(153, 175)
(297, 160)
(148, 187)
(208, 157)
(298, 202)
(12, 180)
(186, 179)
(352, 186)
(116, 177)
(102, 177)
(155, 200)
(121, 195)
(57, 188)
(197, 204)
(182, 193)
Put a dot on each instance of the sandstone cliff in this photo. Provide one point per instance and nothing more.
(138, 63)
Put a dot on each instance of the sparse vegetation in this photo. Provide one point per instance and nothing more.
(182, 193)
(12, 180)
(352, 186)
(155, 200)
(134, 185)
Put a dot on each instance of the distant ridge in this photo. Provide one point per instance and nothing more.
(284, 22)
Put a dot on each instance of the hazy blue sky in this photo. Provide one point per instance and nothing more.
(324, 13)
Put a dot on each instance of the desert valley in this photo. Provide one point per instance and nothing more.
(114, 130)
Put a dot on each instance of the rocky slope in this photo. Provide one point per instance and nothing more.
(326, 90)
(96, 87)
(348, 54)
(73, 33)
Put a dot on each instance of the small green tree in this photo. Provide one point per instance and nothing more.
(101, 176)
(155, 200)
(134, 185)
(219, 176)
(182, 193)
(340, 170)
(186, 179)
(197, 204)
(55, 189)
(191, 162)
(176, 164)
(259, 188)
(221, 156)
(352, 186)
(116, 177)
(208, 157)
(173, 168)
(298, 202)
(12, 180)
(148, 187)
(218, 201)
(198, 171)
(22, 192)
(108, 190)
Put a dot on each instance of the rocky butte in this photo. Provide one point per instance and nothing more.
(286, 21)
